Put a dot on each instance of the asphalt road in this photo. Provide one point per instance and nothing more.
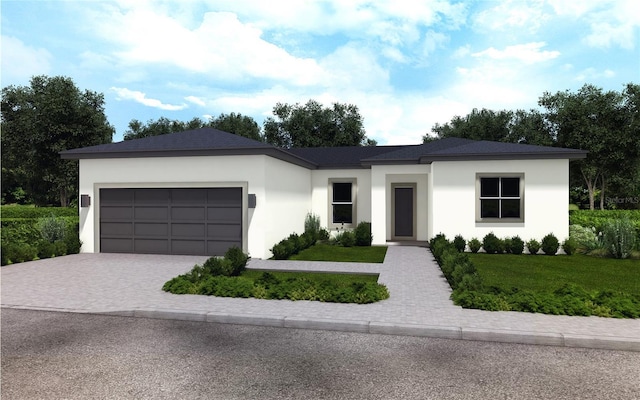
(48, 355)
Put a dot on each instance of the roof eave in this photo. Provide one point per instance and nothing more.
(504, 156)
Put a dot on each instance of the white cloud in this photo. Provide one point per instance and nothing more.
(511, 14)
(196, 100)
(591, 74)
(126, 94)
(529, 53)
(20, 61)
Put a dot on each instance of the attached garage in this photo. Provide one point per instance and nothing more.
(189, 221)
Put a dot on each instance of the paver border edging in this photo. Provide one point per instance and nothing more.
(372, 327)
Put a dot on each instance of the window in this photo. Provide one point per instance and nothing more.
(500, 198)
(342, 202)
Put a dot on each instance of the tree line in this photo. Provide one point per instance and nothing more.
(605, 123)
(52, 114)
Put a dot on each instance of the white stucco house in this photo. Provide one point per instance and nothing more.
(202, 191)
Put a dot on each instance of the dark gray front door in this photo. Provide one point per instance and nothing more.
(403, 212)
(195, 221)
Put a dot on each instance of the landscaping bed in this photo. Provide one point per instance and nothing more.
(227, 277)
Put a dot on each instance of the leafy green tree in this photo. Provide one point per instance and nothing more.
(312, 125)
(38, 121)
(233, 123)
(237, 124)
(603, 123)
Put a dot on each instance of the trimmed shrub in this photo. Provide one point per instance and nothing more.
(238, 260)
(363, 234)
(619, 237)
(216, 266)
(550, 244)
(459, 243)
(491, 244)
(296, 245)
(517, 245)
(52, 228)
(474, 245)
(347, 239)
(584, 237)
(569, 246)
(312, 225)
(20, 252)
(506, 245)
(323, 234)
(533, 246)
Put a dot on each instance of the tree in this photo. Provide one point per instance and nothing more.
(312, 125)
(237, 124)
(233, 123)
(603, 123)
(40, 120)
(500, 126)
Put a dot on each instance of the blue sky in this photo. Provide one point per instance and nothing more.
(406, 64)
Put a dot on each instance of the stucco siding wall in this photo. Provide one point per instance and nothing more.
(382, 178)
(287, 200)
(546, 196)
(320, 192)
(249, 172)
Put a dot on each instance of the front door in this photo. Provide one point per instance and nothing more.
(404, 211)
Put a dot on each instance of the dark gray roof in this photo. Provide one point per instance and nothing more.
(342, 157)
(209, 141)
(457, 149)
(197, 142)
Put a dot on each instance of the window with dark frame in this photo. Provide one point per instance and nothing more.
(342, 203)
(500, 198)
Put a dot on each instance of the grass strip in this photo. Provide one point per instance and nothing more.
(326, 252)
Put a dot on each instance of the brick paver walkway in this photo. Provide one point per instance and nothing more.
(131, 285)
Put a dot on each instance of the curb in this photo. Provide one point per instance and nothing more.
(372, 327)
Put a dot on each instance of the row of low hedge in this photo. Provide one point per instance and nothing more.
(20, 211)
(225, 277)
(470, 292)
(491, 244)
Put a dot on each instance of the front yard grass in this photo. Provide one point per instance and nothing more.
(548, 273)
(326, 252)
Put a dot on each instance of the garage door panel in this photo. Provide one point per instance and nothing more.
(189, 197)
(190, 247)
(188, 213)
(224, 196)
(108, 196)
(151, 229)
(219, 247)
(112, 245)
(116, 228)
(198, 221)
(226, 232)
(151, 246)
(111, 212)
(152, 196)
(188, 230)
(224, 214)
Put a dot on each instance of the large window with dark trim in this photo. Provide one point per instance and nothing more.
(500, 197)
(342, 202)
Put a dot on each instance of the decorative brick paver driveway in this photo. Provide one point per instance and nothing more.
(419, 304)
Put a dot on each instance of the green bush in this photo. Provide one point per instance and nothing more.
(507, 245)
(491, 244)
(323, 234)
(597, 218)
(216, 266)
(584, 237)
(238, 260)
(296, 245)
(517, 245)
(474, 245)
(52, 228)
(20, 252)
(569, 246)
(46, 249)
(363, 235)
(619, 237)
(533, 246)
(31, 212)
(459, 243)
(347, 239)
(312, 226)
(550, 244)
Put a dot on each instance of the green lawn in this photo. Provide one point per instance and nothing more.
(325, 252)
(335, 278)
(546, 273)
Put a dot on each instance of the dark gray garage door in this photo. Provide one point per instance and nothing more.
(197, 221)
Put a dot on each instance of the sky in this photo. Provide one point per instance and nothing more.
(405, 64)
